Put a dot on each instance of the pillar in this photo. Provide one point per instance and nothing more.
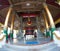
(22, 24)
(46, 24)
(52, 26)
(6, 23)
(37, 23)
(12, 26)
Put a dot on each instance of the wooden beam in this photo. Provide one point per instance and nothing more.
(57, 21)
(49, 15)
(12, 22)
(45, 19)
(10, 2)
(32, 2)
(7, 16)
(27, 10)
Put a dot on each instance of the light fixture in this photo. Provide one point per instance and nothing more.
(28, 4)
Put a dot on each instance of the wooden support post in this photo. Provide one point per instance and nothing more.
(6, 23)
(37, 23)
(52, 25)
(46, 24)
(12, 26)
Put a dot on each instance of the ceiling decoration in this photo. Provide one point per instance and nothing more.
(52, 2)
(57, 17)
(32, 6)
(23, 4)
(29, 22)
(28, 15)
(1, 19)
(4, 4)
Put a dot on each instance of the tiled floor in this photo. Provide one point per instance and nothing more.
(45, 47)
(40, 39)
(22, 46)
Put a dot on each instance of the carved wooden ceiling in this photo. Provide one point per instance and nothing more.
(25, 6)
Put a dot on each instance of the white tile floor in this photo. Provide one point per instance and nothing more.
(45, 47)
(19, 47)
